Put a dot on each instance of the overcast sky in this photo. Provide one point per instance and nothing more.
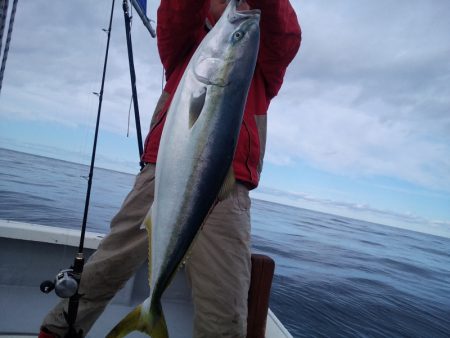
(360, 128)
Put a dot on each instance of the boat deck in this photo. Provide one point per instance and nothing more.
(23, 310)
(30, 254)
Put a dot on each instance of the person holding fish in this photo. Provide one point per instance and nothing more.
(203, 155)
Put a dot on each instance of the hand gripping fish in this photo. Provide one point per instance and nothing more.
(195, 157)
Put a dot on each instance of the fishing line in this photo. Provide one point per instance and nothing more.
(162, 79)
(129, 115)
(92, 98)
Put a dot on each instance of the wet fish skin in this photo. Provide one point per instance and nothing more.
(195, 155)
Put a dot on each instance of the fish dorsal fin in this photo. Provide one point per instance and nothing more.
(227, 185)
(196, 105)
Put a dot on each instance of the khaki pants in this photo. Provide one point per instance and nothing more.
(218, 269)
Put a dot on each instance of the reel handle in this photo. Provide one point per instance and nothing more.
(47, 286)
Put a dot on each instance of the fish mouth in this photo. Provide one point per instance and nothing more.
(235, 15)
(252, 14)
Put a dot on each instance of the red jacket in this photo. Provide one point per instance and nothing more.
(181, 27)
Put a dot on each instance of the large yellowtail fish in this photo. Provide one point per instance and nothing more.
(195, 156)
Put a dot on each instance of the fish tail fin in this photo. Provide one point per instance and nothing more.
(130, 323)
(159, 326)
(152, 323)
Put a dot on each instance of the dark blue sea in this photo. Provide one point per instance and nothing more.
(335, 276)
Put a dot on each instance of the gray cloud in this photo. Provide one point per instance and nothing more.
(369, 92)
(56, 59)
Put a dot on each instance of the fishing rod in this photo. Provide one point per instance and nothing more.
(133, 78)
(67, 281)
(3, 14)
(137, 4)
(147, 24)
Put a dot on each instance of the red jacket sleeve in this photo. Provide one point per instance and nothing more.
(279, 43)
(179, 24)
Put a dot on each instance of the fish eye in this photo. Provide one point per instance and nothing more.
(238, 35)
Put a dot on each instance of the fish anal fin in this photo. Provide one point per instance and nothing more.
(227, 185)
(196, 105)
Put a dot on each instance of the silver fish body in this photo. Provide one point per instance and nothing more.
(196, 153)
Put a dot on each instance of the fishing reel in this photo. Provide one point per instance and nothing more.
(65, 284)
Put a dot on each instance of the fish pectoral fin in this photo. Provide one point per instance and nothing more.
(196, 105)
(227, 185)
(152, 323)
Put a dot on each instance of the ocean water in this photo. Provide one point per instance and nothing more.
(334, 276)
